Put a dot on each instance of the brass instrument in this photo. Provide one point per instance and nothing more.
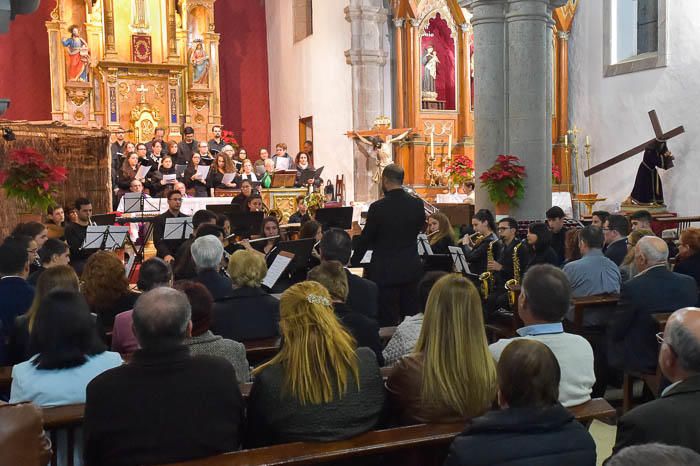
(277, 213)
(487, 279)
(515, 281)
(476, 239)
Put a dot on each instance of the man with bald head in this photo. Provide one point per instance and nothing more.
(164, 406)
(654, 289)
(673, 418)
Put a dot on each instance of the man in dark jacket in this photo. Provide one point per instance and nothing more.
(393, 224)
(166, 248)
(555, 221)
(616, 228)
(673, 418)
(207, 253)
(164, 406)
(186, 147)
(336, 245)
(16, 294)
(655, 289)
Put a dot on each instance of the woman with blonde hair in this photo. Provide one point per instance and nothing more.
(450, 376)
(627, 269)
(60, 277)
(442, 235)
(320, 386)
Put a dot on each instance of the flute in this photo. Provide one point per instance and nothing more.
(254, 240)
(431, 234)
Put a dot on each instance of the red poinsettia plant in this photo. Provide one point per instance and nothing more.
(505, 180)
(461, 169)
(28, 177)
(228, 138)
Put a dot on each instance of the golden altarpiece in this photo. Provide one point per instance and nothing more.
(434, 92)
(136, 64)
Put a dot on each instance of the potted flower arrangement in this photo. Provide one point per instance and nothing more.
(505, 182)
(460, 169)
(228, 138)
(30, 179)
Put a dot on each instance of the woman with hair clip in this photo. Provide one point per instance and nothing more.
(539, 241)
(320, 386)
(450, 376)
(481, 246)
(440, 233)
(223, 165)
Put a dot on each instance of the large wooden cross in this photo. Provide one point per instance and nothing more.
(640, 148)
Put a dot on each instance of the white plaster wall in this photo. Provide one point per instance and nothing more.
(311, 78)
(613, 111)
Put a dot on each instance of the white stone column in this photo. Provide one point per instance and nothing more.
(513, 101)
(367, 57)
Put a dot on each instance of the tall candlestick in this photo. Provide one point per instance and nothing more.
(432, 144)
(588, 141)
(449, 147)
(566, 140)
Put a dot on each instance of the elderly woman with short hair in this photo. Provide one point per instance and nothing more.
(249, 313)
(207, 253)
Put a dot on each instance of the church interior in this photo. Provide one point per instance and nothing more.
(509, 180)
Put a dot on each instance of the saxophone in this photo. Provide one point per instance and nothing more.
(515, 281)
(487, 278)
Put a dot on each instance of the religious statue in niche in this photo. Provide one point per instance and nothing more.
(78, 55)
(200, 64)
(139, 15)
(430, 63)
(647, 186)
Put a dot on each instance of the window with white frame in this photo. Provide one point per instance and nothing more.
(635, 35)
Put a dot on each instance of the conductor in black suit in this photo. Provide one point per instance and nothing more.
(391, 231)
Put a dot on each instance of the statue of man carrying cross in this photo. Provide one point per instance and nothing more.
(647, 190)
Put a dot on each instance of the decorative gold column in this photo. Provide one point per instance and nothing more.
(213, 42)
(172, 33)
(110, 45)
(464, 83)
(57, 62)
(400, 84)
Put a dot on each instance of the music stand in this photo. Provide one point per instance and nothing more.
(224, 209)
(104, 219)
(105, 237)
(424, 248)
(283, 179)
(301, 249)
(138, 203)
(178, 228)
(334, 217)
(245, 224)
(460, 261)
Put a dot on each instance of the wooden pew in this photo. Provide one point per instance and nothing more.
(259, 351)
(586, 302)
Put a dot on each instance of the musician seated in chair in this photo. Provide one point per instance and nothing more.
(441, 233)
(481, 247)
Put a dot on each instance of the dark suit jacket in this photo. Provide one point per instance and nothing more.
(690, 266)
(362, 295)
(16, 296)
(218, 285)
(165, 247)
(617, 251)
(162, 407)
(247, 314)
(393, 224)
(633, 329)
(672, 419)
(362, 328)
(185, 151)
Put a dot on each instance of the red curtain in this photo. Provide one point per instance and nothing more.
(444, 45)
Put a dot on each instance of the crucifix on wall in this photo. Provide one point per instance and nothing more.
(647, 190)
(142, 90)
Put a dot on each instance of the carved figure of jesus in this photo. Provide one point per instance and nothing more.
(382, 151)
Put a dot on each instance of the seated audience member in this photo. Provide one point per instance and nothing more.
(657, 454)
(628, 269)
(641, 219)
(539, 242)
(572, 249)
(364, 330)
(248, 313)
(202, 340)
(616, 229)
(654, 289)
(207, 253)
(75, 232)
(688, 260)
(16, 294)
(106, 288)
(591, 275)
(555, 221)
(241, 199)
(165, 405)
(166, 248)
(531, 427)
(55, 221)
(672, 418)
(184, 265)
(22, 438)
(38, 233)
(599, 217)
(153, 273)
(544, 299)
(450, 376)
(302, 213)
(52, 254)
(69, 353)
(60, 277)
(195, 181)
(404, 339)
(442, 235)
(320, 386)
(336, 245)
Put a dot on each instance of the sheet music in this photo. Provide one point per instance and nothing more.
(277, 268)
(367, 258)
(170, 178)
(424, 245)
(202, 171)
(228, 178)
(130, 265)
(180, 170)
(282, 163)
(95, 235)
(143, 170)
(460, 261)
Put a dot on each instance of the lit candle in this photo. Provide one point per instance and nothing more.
(432, 144)
(566, 140)
(588, 141)
(449, 146)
